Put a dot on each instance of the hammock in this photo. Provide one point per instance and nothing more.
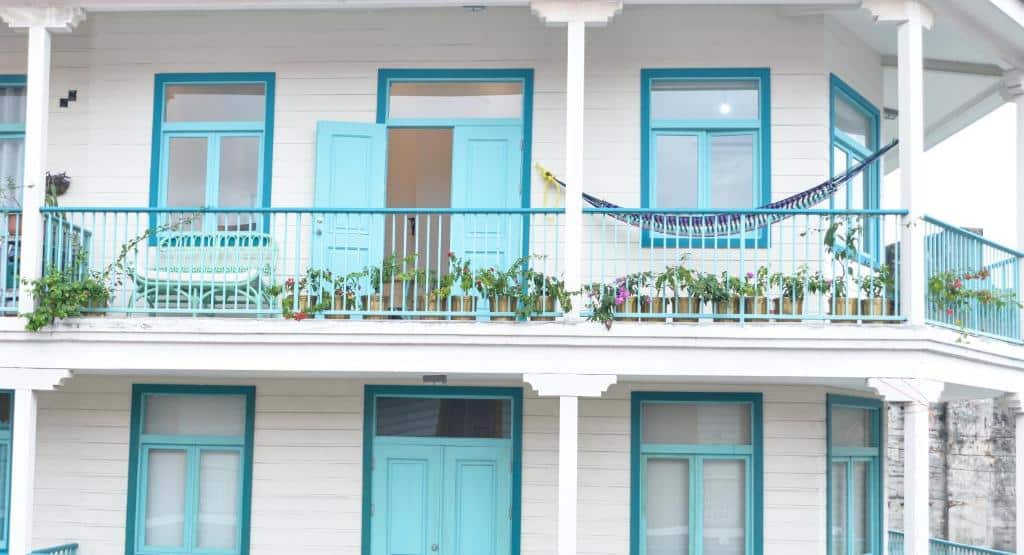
(716, 225)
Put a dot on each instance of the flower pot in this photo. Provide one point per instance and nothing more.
(343, 302)
(877, 306)
(503, 303)
(13, 225)
(751, 306)
(96, 309)
(628, 310)
(787, 306)
(378, 304)
(654, 309)
(685, 305)
(732, 306)
(465, 306)
(844, 309)
(544, 305)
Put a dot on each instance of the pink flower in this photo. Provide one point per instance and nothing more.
(621, 296)
(958, 284)
(300, 316)
(949, 312)
(750, 275)
(289, 283)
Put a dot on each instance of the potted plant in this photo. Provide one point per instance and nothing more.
(842, 247)
(603, 300)
(10, 200)
(501, 289)
(673, 287)
(346, 295)
(876, 288)
(57, 184)
(543, 296)
(747, 292)
(392, 269)
(707, 288)
(954, 297)
(628, 291)
(454, 290)
(308, 296)
(792, 289)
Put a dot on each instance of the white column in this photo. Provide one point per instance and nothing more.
(23, 470)
(574, 98)
(39, 22)
(37, 116)
(1013, 91)
(568, 475)
(912, 17)
(918, 395)
(568, 388)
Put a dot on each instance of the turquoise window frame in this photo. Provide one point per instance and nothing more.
(840, 91)
(140, 445)
(849, 455)
(515, 395)
(213, 132)
(387, 76)
(10, 131)
(705, 129)
(6, 445)
(753, 454)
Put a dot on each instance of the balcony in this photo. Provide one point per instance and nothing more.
(640, 266)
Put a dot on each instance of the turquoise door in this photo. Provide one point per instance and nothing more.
(438, 499)
(487, 174)
(351, 172)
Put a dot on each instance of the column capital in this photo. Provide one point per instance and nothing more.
(39, 379)
(1015, 402)
(558, 12)
(900, 11)
(908, 390)
(1012, 86)
(58, 20)
(569, 385)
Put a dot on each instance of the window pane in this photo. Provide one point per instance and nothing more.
(732, 171)
(667, 506)
(852, 121)
(219, 475)
(725, 501)
(12, 105)
(861, 513)
(195, 415)
(704, 99)
(5, 462)
(677, 165)
(856, 186)
(165, 498)
(851, 427)
(697, 423)
(838, 505)
(239, 180)
(456, 99)
(840, 162)
(186, 172)
(421, 417)
(231, 102)
(12, 169)
(5, 412)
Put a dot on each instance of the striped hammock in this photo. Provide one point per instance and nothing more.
(717, 225)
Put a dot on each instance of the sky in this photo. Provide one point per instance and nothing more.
(970, 178)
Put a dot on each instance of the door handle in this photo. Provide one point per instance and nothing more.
(433, 547)
(412, 229)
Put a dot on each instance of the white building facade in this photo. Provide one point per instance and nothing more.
(346, 310)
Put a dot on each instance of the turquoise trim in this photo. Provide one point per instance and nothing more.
(140, 444)
(761, 128)
(370, 395)
(754, 456)
(213, 130)
(839, 90)
(386, 76)
(6, 444)
(849, 455)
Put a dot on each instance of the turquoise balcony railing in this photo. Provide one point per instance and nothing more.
(305, 263)
(762, 265)
(65, 549)
(973, 283)
(940, 547)
(10, 260)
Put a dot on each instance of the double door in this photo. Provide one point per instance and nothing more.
(441, 497)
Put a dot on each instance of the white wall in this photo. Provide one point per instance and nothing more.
(307, 468)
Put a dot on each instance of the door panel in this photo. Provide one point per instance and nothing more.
(477, 500)
(487, 173)
(351, 172)
(406, 496)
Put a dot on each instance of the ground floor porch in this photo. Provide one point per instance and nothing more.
(476, 464)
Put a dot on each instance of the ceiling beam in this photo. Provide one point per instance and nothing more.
(951, 66)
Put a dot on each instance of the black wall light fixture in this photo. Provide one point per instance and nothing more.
(71, 97)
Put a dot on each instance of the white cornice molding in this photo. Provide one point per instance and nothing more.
(1012, 86)
(39, 379)
(570, 385)
(900, 11)
(908, 390)
(591, 12)
(59, 20)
